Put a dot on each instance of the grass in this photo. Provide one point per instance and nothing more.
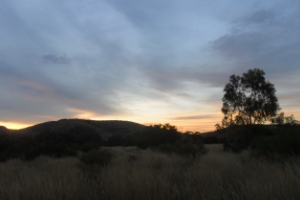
(144, 174)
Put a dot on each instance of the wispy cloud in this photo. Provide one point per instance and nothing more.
(53, 59)
(265, 38)
(193, 117)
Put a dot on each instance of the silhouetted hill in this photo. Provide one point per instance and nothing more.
(104, 128)
(63, 137)
(3, 130)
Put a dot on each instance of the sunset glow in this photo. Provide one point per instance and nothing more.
(14, 126)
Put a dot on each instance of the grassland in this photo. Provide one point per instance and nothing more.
(144, 174)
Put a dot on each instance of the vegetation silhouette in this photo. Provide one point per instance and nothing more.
(67, 137)
(167, 139)
(249, 102)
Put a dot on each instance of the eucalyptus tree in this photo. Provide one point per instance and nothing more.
(248, 99)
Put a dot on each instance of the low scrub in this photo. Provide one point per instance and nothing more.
(238, 138)
(155, 135)
(284, 143)
(271, 142)
(100, 157)
(183, 149)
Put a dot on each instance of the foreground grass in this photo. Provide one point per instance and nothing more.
(135, 174)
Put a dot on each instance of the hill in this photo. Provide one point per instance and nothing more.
(61, 138)
(104, 128)
(3, 130)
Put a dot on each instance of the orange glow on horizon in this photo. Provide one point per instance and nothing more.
(83, 114)
(189, 126)
(182, 125)
(200, 125)
(14, 125)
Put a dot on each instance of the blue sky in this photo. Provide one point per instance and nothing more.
(145, 61)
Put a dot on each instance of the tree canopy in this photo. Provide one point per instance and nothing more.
(248, 99)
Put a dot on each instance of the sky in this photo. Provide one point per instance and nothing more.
(157, 61)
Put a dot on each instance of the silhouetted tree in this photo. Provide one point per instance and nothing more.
(280, 119)
(248, 100)
(155, 135)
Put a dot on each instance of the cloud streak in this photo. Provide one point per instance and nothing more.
(53, 59)
(193, 117)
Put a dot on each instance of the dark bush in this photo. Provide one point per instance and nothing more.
(183, 149)
(156, 135)
(115, 140)
(87, 146)
(211, 140)
(99, 157)
(238, 138)
(3, 157)
(285, 142)
(237, 142)
(74, 135)
(189, 144)
(128, 140)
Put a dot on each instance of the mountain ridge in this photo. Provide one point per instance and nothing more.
(105, 128)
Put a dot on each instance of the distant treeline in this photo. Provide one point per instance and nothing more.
(165, 138)
(268, 141)
(69, 141)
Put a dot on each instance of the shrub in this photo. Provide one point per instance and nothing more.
(3, 157)
(237, 142)
(284, 143)
(115, 140)
(183, 149)
(238, 138)
(97, 156)
(211, 140)
(88, 146)
(156, 135)
(128, 140)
